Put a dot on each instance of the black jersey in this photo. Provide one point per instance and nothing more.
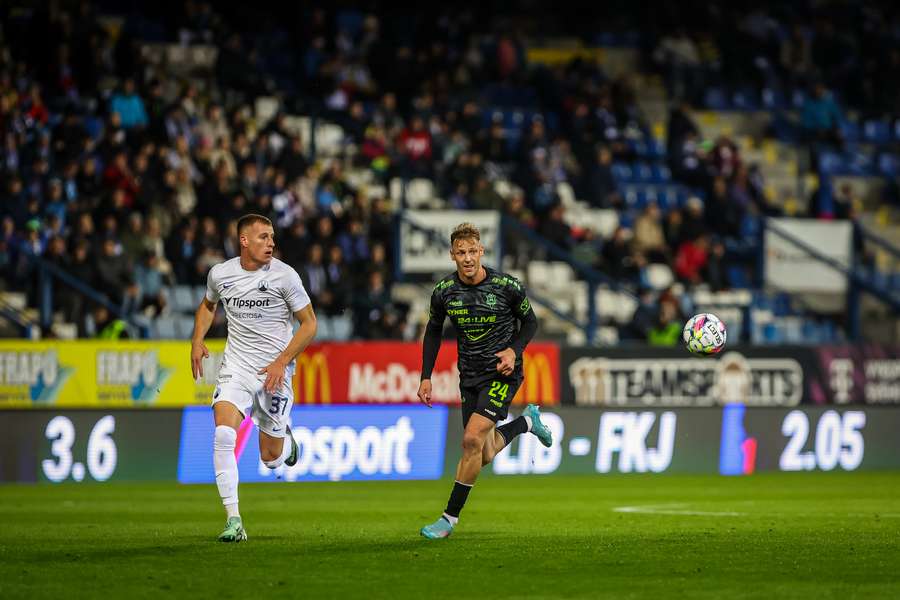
(485, 316)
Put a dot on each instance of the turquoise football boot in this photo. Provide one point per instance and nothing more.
(542, 432)
(437, 530)
(234, 531)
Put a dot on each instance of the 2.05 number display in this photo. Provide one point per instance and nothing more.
(838, 440)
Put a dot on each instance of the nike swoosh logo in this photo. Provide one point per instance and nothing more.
(276, 429)
(225, 286)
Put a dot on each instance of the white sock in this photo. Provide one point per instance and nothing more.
(226, 467)
(453, 520)
(285, 452)
(527, 421)
(231, 510)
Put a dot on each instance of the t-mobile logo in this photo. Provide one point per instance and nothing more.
(841, 378)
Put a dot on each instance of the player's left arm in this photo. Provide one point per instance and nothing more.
(299, 303)
(528, 326)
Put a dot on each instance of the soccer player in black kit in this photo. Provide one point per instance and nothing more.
(494, 322)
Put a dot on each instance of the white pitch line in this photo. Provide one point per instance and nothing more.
(672, 509)
(677, 509)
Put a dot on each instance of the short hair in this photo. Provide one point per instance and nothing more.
(465, 231)
(250, 220)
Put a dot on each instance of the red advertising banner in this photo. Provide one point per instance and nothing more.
(388, 373)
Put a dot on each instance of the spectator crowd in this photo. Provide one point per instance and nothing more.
(131, 176)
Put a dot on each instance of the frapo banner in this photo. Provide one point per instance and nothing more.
(157, 374)
(389, 372)
(107, 373)
(425, 238)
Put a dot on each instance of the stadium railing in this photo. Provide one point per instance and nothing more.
(856, 279)
(47, 271)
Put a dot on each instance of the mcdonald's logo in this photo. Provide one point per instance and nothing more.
(540, 385)
(312, 373)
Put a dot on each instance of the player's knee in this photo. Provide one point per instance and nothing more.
(472, 443)
(224, 438)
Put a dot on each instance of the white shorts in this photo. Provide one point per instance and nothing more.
(270, 412)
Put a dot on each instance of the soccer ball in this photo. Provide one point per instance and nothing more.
(704, 334)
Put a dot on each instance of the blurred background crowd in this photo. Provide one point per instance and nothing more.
(129, 174)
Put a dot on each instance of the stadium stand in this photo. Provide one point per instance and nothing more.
(132, 145)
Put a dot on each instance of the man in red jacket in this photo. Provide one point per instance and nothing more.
(414, 144)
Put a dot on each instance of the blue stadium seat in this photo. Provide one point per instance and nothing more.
(715, 99)
(621, 172)
(745, 99)
(850, 130)
(661, 173)
(643, 173)
(164, 328)
(889, 165)
(772, 334)
(876, 132)
(773, 99)
(810, 332)
(655, 149)
(737, 277)
(781, 305)
(184, 326)
(667, 198)
(182, 298)
(630, 193)
(860, 163)
(343, 328)
(831, 162)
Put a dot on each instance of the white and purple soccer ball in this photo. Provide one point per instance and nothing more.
(704, 334)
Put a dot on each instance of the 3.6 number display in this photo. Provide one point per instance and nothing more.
(101, 450)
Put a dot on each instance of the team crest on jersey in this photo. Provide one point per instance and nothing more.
(491, 300)
(262, 285)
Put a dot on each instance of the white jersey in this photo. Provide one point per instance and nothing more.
(259, 306)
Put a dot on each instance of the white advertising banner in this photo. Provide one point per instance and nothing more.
(425, 238)
(792, 269)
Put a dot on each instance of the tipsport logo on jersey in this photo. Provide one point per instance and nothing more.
(34, 376)
(336, 443)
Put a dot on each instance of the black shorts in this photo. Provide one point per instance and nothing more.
(490, 397)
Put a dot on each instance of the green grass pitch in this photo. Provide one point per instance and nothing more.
(833, 535)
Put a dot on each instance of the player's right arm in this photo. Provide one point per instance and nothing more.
(431, 344)
(203, 320)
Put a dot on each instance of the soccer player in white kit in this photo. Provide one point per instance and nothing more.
(262, 295)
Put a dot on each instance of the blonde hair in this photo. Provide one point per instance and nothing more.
(465, 231)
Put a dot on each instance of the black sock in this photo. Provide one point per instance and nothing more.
(457, 498)
(513, 428)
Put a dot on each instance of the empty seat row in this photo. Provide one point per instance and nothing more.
(641, 172)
